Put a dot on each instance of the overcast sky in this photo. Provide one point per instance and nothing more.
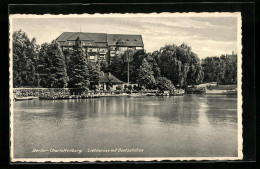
(208, 36)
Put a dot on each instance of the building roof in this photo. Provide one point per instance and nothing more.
(109, 78)
(88, 43)
(124, 40)
(101, 44)
(68, 43)
(65, 35)
(79, 35)
(102, 39)
(97, 37)
(121, 42)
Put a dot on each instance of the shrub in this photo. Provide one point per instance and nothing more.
(162, 83)
(118, 87)
(130, 87)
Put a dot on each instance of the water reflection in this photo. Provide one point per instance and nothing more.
(164, 126)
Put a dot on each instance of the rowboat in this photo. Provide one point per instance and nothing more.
(22, 98)
(150, 94)
(178, 92)
(161, 94)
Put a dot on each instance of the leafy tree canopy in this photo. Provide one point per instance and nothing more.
(77, 67)
(162, 83)
(51, 66)
(25, 54)
(145, 75)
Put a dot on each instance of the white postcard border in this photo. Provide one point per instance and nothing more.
(189, 14)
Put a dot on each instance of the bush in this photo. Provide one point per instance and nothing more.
(162, 83)
(136, 87)
(130, 87)
(118, 87)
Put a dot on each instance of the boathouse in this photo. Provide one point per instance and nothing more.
(107, 81)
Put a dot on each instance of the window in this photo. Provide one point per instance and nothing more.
(122, 48)
(112, 48)
(102, 56)
(138, 48)
(102, 49)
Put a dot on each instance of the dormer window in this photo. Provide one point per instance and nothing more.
(135, 40)
(90, 43)
(127, 39)
(114, 39)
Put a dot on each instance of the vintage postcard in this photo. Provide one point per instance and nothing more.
(125, 87)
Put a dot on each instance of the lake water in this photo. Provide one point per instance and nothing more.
(182, 126)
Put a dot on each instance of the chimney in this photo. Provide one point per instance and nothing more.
(233, 53)
(109, 74)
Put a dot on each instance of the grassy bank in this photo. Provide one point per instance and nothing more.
(222, 87)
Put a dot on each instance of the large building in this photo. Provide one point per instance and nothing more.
(101, 46)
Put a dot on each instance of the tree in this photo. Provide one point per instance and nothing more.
(195, 74)
(94, 72)
(179, 64)
(124, 66)
(58, 69)
(137, 60)
(127, 57)
(117, 67)
(52, 66)
(153, 63)
(222, 70)
(77, 67)
(25, 55)
(162, 83)
(104, 67)
(145, 75)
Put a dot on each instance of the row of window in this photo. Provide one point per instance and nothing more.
(101, 57)
(105, 49)
(103, 52)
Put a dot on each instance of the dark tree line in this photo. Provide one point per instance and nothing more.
(25, 53)
(222, 70)
(49, 67)
(46, 66)
(175, 63)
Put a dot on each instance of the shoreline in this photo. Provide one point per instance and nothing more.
(20, 94)
(73, 97)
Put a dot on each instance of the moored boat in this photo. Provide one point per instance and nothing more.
(178, 92)
(22, 98)
(231, 92)
(34, 97)
(150, 94)
(135, 95)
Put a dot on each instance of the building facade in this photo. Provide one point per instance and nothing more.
(101, 46)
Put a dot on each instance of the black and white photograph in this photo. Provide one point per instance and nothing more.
(125, 87)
